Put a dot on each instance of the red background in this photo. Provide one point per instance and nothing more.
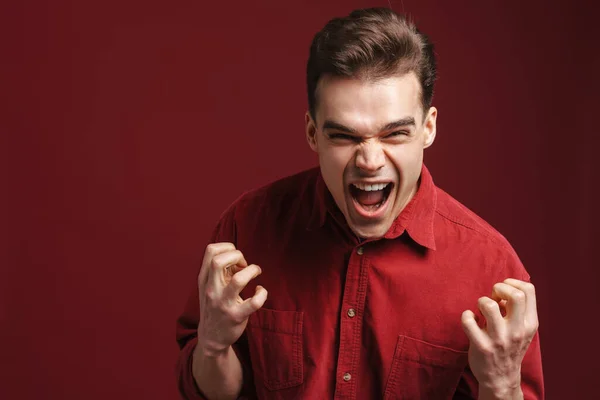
(127, 127)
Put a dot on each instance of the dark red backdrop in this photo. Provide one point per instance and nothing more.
(129, 126)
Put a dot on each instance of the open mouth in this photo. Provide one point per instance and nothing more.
(370, 199)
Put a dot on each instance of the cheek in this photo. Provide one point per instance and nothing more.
(406, 158)
(335, 160)
(334, 164)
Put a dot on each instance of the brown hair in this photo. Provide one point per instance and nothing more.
(371, 44)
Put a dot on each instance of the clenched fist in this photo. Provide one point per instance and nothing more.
(497, 350)
(223, 313)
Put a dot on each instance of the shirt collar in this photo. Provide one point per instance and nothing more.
(319, 208)
(416, 219)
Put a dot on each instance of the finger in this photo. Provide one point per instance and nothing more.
(251, 304)
(531, 302)
(218, 265)
(516, 302)
(210, 252)
(491, 312)
(475, 334)
(502, 304)
(240, 279)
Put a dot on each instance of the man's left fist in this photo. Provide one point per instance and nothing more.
(497, 350)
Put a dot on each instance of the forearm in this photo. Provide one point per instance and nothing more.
(512, 392)
(217, 376)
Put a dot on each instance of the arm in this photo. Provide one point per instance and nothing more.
(199, 380)
(214, 360)
(505, 356)
(532, 380)
(219, 375)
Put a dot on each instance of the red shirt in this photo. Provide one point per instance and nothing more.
(351, 320)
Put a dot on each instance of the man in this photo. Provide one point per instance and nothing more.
(372, 270)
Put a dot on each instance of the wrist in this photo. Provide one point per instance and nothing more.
(501, 392)
(209, 349)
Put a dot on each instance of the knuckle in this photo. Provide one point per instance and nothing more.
(211, 295)
(498, 344)
(519, 296)
(213, 249)
(215, 263)
(487, 349)
(529, 287)
(237, 280)
(517, 336)
(210, 249)
(490, 306)
(532, 326)
(255, 304)
(239, 254)
(257, 301)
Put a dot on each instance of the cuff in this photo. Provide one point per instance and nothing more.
(188, 389)
(187, 386)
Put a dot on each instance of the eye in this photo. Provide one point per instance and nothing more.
(342, 136)
(396, 133)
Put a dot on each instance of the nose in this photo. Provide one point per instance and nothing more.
(370, 157)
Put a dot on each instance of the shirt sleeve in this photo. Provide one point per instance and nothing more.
(532, 377)
(187, 324)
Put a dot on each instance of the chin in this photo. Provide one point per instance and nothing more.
(371, 232)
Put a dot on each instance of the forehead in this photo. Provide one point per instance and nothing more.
(365, 104)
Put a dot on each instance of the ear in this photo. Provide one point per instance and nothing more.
(429, 127)
(311, 131)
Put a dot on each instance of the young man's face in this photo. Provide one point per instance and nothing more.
(370, 138)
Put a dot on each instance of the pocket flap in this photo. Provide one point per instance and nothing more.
(288, 322)
(422, 370)
(430, 354)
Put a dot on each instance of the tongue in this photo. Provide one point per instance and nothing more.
(369, 198)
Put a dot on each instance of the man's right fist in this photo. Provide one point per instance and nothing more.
(223, 313)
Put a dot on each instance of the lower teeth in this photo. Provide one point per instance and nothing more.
(372, 206)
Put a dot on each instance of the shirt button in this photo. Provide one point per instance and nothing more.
(351, 313)
(360, 251)
(347, 377)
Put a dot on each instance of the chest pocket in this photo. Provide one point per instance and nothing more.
(422, 370)
(276, 350)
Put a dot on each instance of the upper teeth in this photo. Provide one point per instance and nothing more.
(369, 188)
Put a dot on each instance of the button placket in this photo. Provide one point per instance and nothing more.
(350, 328)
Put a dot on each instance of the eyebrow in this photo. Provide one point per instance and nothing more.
(408, 121)
(328, 124)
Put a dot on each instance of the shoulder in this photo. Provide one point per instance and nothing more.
(456, 215)
(460, 226)
(287, 193)
(289, 187)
